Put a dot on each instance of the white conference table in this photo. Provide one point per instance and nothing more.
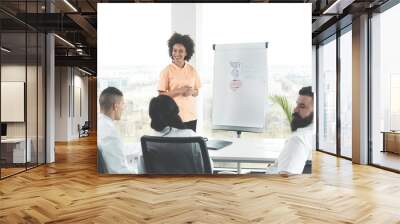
(240, 151)
(248, 151)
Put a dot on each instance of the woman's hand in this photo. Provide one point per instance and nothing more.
(184, 91)
(187, 91)
(190, 92)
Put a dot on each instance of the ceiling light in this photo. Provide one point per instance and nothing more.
(70, 5)
(5, 50)
(79, 51)
(338, 6)
(64, 40)
(84, 71)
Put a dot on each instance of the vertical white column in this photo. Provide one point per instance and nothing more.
(50, 92)
(50, 100)
(360, 90)
(314, 89)
(184, 22)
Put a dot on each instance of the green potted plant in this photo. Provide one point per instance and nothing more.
(284, 104)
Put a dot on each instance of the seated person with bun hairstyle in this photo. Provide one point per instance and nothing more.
(165, 119)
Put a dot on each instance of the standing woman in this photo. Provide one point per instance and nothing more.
(180, 80)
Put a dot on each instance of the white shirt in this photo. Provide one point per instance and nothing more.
(297, 151)
(112, 148)
(174, 132)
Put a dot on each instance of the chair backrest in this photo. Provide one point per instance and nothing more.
(307, 167)
(101, 165)
(175, 155)
(86, 125)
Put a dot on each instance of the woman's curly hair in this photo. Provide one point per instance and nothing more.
(185, 40)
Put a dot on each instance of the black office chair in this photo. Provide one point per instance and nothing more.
(101, 165)
(84, 130)
(175, 155)
(307, 167)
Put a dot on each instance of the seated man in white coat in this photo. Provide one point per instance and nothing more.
(109, 142)
(298, 147)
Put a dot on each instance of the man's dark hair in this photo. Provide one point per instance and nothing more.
(306, 91)
(185, 40)
(164, 112)
(108, 97)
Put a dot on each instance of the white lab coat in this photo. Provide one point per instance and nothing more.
(112, 148)
(297, 150)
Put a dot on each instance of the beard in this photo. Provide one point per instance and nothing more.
(299, 122)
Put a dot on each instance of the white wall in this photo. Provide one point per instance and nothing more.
(12, 73)
(33, 126)
(80, 100)
(61, 103)
(183, 21)
(69, 85)
(16, 73)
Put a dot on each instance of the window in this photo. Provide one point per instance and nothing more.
(346, 94)
(394, 101)
(22, 75)
(385, 84)
(327, 96)
(133, 59)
